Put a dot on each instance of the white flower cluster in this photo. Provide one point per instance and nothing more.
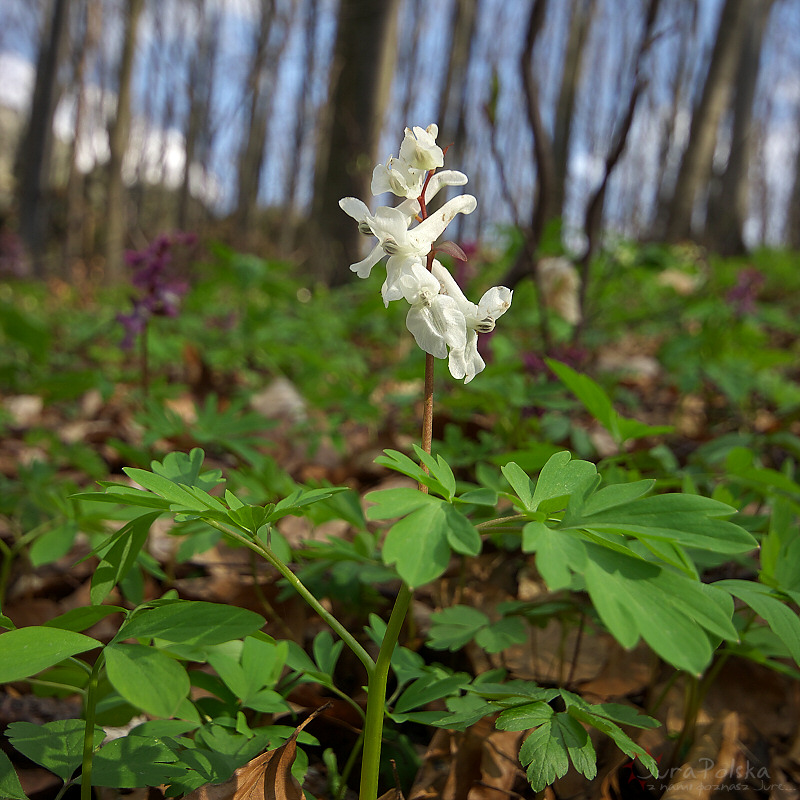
(442, 320)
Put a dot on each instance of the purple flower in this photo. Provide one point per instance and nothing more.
(742, 297)
(158, 290)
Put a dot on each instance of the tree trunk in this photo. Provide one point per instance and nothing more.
(729, 195)
(361, 74)
(34, 156)
(696, 165)
(118, 133)
(76, 201)
(579, 24)
(251, 156)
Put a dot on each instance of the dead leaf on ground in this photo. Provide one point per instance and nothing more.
(714, 757)
(266, 777)
(477, 764)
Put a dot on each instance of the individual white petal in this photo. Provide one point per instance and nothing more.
(420, 323)
(409, 208)
(466, 362)
(364, 267)
(430, 229)
(495, 302)
(404, 274)
(355, 208)
(436, 323)
(452, 289)
(447, 177)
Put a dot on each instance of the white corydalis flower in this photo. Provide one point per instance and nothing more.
(398, 177)
(434, 319)
(466, 362)
(419, 149)
(411, 250)
(390, 225)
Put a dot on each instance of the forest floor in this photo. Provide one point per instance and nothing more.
(744, 743)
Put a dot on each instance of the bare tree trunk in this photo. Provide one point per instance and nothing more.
(696, 165)
(729, 195)
(76, 201)
(580, 22)
(197, 136)
(363, 63)
(34, 156)
(544, 206)
(118, 133)
(251, 155)
(451, 103)
(594, 210)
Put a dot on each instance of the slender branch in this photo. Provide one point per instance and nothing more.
(376, 697)
(376, 690)
(88, 731)
(295, 582)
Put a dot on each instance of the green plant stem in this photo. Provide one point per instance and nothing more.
(376, 697)
(295, 582)
(348, 767)
(5, 569)
(88, 734)
(376, 688)
(144, 360)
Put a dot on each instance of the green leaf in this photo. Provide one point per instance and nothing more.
(83, 617)
(599, 405)
(300, 499)
(520, 483)
(400, 462)
(57, 746)
(544, 754)
(54, 544)
(558, 553)
(783, 622)
(116, 563)
(562, 477)
(27, 651)
(451, 628)
(392, 503)
(135, 761)
(502, 634)
(10, 787)
(670, 611)
(418, 544)
(462, 535)
(440, 470)
(428, 688)
(617, 494)
(617, 735)
(326, 652)
(182, 468)
(524, 717)
(683, 519)
(180, 497)
(147, 678)
(191, 622)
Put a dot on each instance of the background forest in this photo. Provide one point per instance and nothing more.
(232, 567)
(663, 120)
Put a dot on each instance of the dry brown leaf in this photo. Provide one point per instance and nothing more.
(712, 759)
(266, 777)
(476, 764)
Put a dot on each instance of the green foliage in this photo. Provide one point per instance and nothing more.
(625, 543)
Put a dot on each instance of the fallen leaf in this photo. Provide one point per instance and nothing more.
(266, 777)
(712, 758)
